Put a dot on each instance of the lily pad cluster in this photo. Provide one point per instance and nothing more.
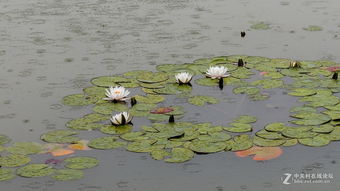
(315, 120)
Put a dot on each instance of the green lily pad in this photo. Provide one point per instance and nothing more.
(327, 128)
(87, 126)
(239, 128)
(269, 134)
(334, 115)
(134, 73)
(79, 163)
(308, 118)
(312, 28)
(134, 136)
(159, 154)
(333, 107)
(144, 107)
(215, 137)
(302, 109)
(143, 146)
(4, 139)
(179, 155)
(241, 73)
(116, 130)
(67, 174)
(106, 143)
(290, 142)
(150, 77)
(25, 148)
(276, 127)
(268, 83)
(150, 99)
(60, 136)
(267, 142)
(14, 160)
(246, 90)
(240, 142)
(108, 108)
(302, 92)
(273, 75)
(317, 141)
(258, 97)
(245, 119)
(298, 133)
(202, 100)
(79, 100)
(87, 119)
(95, 91)
(35, 170)
(169, 89)
(260, 26)
(6, 174)
(207, 146)
(108, 81)
(205, 128)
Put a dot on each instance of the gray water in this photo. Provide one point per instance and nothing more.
(52, 48)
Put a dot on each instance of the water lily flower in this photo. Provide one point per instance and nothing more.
(183, 78)
(121, 118)
(117, 93)
(217, 72)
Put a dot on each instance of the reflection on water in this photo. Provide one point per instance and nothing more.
(52, 48)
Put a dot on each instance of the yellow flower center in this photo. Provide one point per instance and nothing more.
(117, 92)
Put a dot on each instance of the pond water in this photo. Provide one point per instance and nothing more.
(53, 48)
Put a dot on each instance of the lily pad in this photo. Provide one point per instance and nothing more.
(312, 28)
(106, 143)
(260, 26)
(143, 146)
(134, 136)
(14, 160)
(267, 142)
(334, 115)
(35, 170)
(298, 133)
(6, 174)
(268, 83)
(302, 92)
(150, 77)
(150, 99)
(207, 147)
(4, 139)
(67, 174)
(317, 141)
(269, 134)
(245, 119)
(202, 100)
(327, 128)
(79, 163)
(108, 108)
(25, 148)
(302, 109)
(308, 118)
(240, 142)
(79, 100)
(60, 136)
(108, 81)
(179, 155)
(159, 154)
(246, 90)
(116, 130)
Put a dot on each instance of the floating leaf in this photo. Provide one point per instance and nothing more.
(116, 130)
(202, 100)
(327, 128)
(302, 92)
(239, 128)
(61, 152)
(79, 100)
(334, 115)
(245, 119)
(312, 28)
(149, 99)
(35, 170)
(179, 155)
(268, 83)
(143, 146)
(317, 141)
(150, 77)
(207, 146)
(134, 136)
(109, 107)
(4, 139)
(290, 142)
(108, 81)
(80, 162)
(298, 133)
(159, 154)
(308, 118)
(25, 148)
(269, 134)
(302, 109)
(246, 90)
(276, 127)
(260, 26)
(240, 142)
(261, 153)
(67, 174)
(6, 174)
(162, 110)
(60, 136)
(106, 143)
(14, 160)
(267, 142)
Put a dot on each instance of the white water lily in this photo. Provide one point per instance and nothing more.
(183, 78)
(117, 93)
(121, 118)
(217, 72)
